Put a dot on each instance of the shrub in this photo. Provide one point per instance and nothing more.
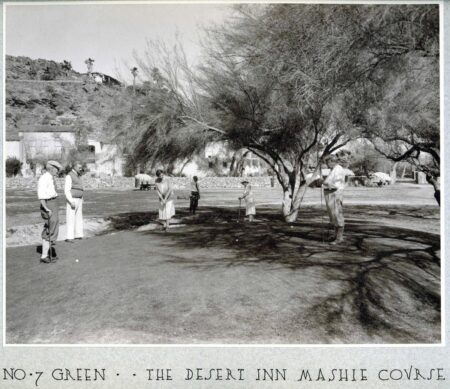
(50, 73)
(13, 166)
(50, 90)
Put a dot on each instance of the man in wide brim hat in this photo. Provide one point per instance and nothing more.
(48, 198)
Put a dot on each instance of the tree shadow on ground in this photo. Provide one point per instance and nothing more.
(383, 279)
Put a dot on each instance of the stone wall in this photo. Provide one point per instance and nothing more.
(127, 183)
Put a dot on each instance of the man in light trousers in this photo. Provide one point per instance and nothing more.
(73, 190)
(333, 188)
(48, 198)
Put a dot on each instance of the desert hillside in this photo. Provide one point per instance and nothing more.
(42, 92)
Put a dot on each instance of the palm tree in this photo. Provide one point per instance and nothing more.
(134, 72)
(67, 66)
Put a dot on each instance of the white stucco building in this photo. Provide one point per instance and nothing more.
(108, 159)
(34, 145)
(217, 160)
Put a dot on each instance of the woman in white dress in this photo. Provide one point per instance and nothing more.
(165, 194)
(250, 209)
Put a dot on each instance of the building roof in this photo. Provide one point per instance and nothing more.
(107, 79)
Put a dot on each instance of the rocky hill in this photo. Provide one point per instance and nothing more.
(43, 92)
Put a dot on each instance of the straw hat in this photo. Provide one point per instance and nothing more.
(55, 164)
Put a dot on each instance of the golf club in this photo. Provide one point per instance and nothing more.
(49, 239)
(321, 214)
(239, 212)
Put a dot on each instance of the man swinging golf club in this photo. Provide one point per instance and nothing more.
(333, 187)
(49, 210)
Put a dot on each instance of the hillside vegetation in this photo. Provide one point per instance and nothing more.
(42, 92)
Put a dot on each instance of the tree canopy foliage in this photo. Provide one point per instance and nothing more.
(293, 83)
(401, 102)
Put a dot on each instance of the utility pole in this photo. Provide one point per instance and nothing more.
(134, 72)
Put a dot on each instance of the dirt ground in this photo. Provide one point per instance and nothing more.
(213, 279)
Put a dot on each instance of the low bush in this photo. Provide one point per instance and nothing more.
(13, 166)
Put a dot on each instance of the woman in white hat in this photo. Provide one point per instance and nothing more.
(250, 209)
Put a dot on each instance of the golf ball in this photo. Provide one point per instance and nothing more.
(76, 260)
(237, 240)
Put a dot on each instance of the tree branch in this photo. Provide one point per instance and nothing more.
(203, 124)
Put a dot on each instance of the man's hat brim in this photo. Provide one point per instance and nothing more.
(55, 164)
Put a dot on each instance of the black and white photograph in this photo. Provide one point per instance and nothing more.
(222, 174)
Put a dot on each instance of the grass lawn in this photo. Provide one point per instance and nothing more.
(214, 280)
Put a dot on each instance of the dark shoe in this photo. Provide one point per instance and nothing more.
(339, 236)
(334, 236)
(78, 238)
(53, 256)
(45, 260)
(53, 259)
(70, 241)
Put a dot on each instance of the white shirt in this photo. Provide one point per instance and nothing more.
(336, 178)
(146, 179)
(46, 187)
(68, 188)
(194, 187)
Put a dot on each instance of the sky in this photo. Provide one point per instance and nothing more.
(108, 33)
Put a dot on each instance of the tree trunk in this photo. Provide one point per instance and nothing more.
(403, 172)
(437, 188)
(183, 165)
(394, 173)
(232, 173)
(292, 202)
(437, 196)
(288, 215)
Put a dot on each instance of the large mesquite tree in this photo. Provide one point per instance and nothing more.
(398, 98)
(279, 80)
(400, 113)
(293, 83)
(289, 82)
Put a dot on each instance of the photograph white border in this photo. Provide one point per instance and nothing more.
(442, 344)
